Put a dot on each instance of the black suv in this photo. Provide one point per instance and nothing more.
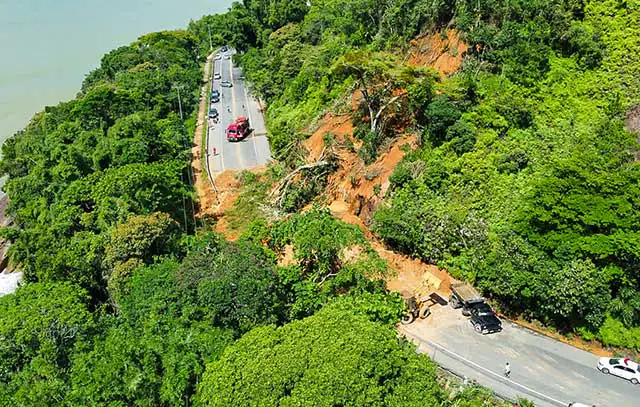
(483, 319)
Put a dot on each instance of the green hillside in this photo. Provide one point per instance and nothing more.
(524, 182)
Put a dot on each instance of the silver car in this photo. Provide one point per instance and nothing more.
(625, 368)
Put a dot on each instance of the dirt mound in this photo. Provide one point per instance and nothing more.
(412, 274)
(338, 126)
(288, 257)
(228, 188)
(442, 51)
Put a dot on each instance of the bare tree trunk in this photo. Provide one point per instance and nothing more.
(281, 190)
(375, 120)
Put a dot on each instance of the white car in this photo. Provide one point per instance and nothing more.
(625, 368)
(217, 75)
(579, 405)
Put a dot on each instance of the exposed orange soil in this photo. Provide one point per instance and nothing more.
(229, 188)
(442, 52)
(287, 258)
(351, 193)
(338, 125)
(412, 274)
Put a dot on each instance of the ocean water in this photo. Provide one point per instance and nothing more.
(47, 46)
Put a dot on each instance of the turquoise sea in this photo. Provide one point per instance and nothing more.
(47, 46)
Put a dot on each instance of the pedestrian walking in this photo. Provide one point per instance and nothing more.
(507, 369)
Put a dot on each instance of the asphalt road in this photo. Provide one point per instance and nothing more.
(236, 101)
(548, 372)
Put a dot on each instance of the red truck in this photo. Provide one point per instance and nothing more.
(238, 130)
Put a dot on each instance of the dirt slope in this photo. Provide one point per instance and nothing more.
(356, 190)
(442, 51)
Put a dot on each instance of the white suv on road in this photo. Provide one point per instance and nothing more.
(625, 368)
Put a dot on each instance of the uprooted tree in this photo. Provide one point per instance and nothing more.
(381, 78)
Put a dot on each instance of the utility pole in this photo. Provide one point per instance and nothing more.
(210, 42)
(178, 87)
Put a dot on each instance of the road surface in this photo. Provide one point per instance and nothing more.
(236, 101)
(548, 372)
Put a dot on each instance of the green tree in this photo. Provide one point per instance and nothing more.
(235, 285)
(336, 357)
(40, 325)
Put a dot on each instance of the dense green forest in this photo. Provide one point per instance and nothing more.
(526, 180)
(524, 183)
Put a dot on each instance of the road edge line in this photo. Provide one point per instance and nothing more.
(500, 377)
(253, 136)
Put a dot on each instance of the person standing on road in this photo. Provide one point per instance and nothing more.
(507, 369)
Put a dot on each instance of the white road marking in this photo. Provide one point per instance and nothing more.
(253, 136)
(210, 148)
(499, 376)
(239, 154)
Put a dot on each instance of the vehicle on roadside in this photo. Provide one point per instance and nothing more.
(238, 130)
(217, 76)
(215, 96)
(218, 57)
(224, 48)
(621, 367)
(226, 84)
(483, 318)
(227, 56)
(579, 405)
(419, 304)
(213, 113)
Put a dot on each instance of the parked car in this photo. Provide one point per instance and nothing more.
(218, 57)
(217, 75)
(215, 96)
(625, 368)
(473, 305)
(213, 113)
(226, 84)
(579, 405)
(483, 319)
(224, 48)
